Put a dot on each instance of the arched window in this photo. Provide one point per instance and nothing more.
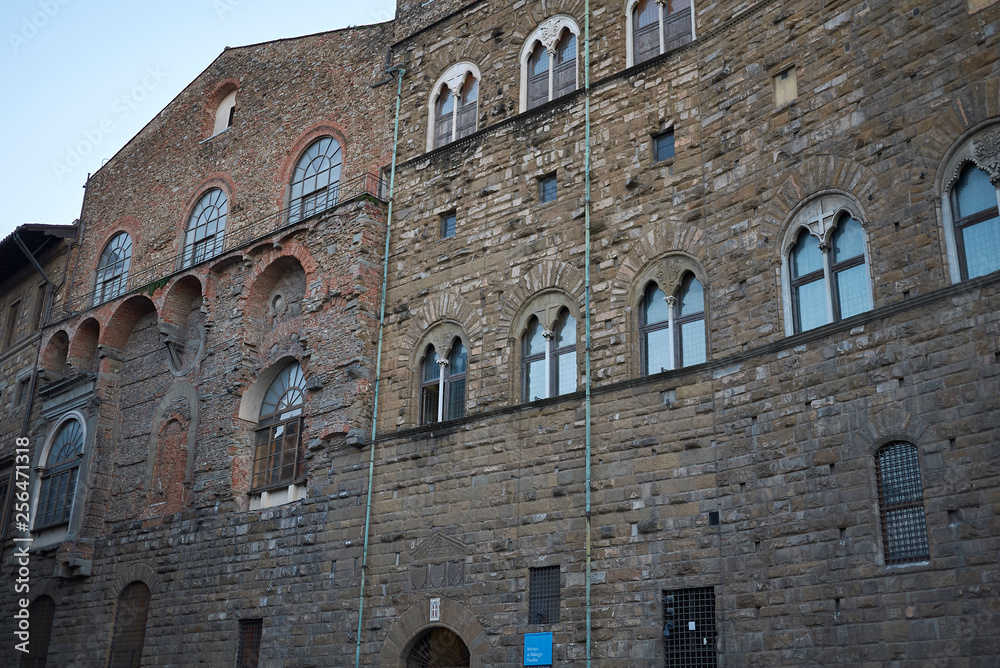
(977, 222)
(59, 476)
(825, 268)
(455, 107)
(549, 358)
(901, 503)
(225, 113)
(672, 329)
(442, 388)
(316, 181)
(549, 62)
(41, 613)
(206, 227)
(278, 459)
(112, 268)
(657, 27)
(438, 647)
(130, 627)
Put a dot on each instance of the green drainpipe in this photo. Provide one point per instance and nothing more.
(400, 73)
(586, 265)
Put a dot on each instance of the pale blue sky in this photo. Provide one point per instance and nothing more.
(84, 76)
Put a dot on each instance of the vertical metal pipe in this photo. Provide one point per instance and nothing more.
(586, 264)
(400, 73)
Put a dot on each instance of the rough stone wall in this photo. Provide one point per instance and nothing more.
(775, 433)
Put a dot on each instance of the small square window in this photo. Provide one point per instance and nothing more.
(663, 146)
(248, 651)
(543, 595)
(547, 188)
(448, 224)
(786, 87)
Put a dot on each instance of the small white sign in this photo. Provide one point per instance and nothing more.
(435, 609)
(690, 626)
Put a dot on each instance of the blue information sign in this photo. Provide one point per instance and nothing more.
(538, 649)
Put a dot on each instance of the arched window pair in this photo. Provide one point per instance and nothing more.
(454, 105)
(658, 26)
(549, 62)
(825, 269)
(548, 358)
(672, 329)
(442, 386)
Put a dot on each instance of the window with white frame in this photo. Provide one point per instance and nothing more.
(654, 27)
(969, 208)
(548, 358)
(442, 386)
(549, 66)
(59, 475)
(225, 113)
(112, 268)
(825, 265)
(204, 236)
(672, 329)
(454, 105)
(316, 180)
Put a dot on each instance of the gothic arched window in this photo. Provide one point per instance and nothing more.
(442, 387)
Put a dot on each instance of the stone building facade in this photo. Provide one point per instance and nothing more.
(691, 361)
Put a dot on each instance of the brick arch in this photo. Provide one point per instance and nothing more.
(221, 180)
(325, 128)
(672, 238)
(454, 617)
(542, 277)
(123, 320)
(442, 307)
(818, 175)
(178, 298)
(292, 248)
(216, 94)
(891, 423)
(83, 345)
(56, 352)
(126, 575)
(266, 273)
(972, 108)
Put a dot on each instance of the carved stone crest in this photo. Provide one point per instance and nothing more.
(987, 152)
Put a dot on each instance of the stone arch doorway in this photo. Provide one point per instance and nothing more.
(438, 648)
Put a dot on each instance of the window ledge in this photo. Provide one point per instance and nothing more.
(220, 132)
(278, 496)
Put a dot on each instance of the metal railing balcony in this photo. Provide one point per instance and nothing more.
(155, 275)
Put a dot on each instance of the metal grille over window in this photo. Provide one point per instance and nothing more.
(112, 268)
(689, 630)
(278, 459)
(438, 648)
(41, 613)
(62, 466)
(316, 182)
(248, 652)
(543, 595)
(901, 501)
(130, 627)
(206, 228)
